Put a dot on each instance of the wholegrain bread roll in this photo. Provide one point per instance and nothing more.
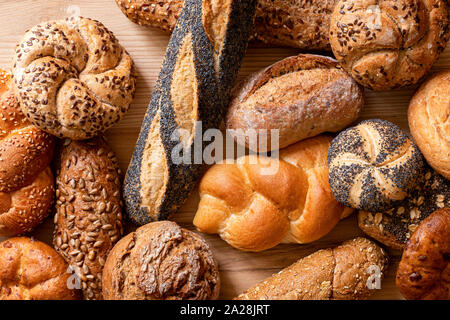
(72, 77)
(389, 44)
(161, 261)
(350, 271)
(88, 219)
(256, 203)
(429, 121)
(301, 96)
(26, 180)
(373, 165)
(190, 96)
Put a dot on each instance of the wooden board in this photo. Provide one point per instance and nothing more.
(239, 270)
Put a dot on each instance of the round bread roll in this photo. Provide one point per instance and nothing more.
(72, 77)
(26, 180)
(429, 121)
(388, 44)
(31, 270)
(373, 165)
(161, 261)
(424, 271)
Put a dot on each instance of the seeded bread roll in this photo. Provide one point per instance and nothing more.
(389, 44)
(395, 226)
(429, 121)
(72, 77)
(373, 165)
(26, 180)
(198, 73)
(350, 271)
(301, 96)
(161, 261)
(295, 23)
(31, 270)
(89, 210)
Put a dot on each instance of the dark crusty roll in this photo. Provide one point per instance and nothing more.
(395, 226)
(89, 209)
(199, 70)
(373, 165)
(161, 261)
(424, 271)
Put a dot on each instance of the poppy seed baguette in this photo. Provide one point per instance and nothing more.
(198, 73)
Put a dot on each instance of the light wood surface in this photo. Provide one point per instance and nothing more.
(239, 270)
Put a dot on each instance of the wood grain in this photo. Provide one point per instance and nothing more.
(239, 270)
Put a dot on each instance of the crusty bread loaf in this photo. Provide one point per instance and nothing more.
(161, 261)
(389, 44)
(301, 96)
(395, 226)
(257, 202)
(373, 165)
(89, 209)
(26, 181)
(198, 73)
(72, 77)
(429, 121)
(424, 271)
(301, 24)
(31, 270)
(348, 272)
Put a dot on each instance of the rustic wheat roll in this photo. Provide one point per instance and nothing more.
(373, 165)
(423, 272)
(88, 219)
(161, 261)
(301, 96)
(31, 270)
(388, 44)
(256, 203)
(394, 227)
(340, 273)
(429, 121)
(72, 77)
(198, 72)
(26, 181)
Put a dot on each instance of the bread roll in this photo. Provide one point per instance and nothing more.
(72, 77)
(31, 270)
(257, 202)
(348, 272)
(429, 121)
(388, 44)
(26, 181)
(301, 96)
(198, 73)
(161, 261)
(373, 165)
(88, 221)
(395, 226)
(424, 271)
(294, 23)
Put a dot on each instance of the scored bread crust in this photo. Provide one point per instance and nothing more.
(340, 273)
(161, 261)
(429, 121)
(198, 72)
(301, 96)
(389, 44)
(257, 202)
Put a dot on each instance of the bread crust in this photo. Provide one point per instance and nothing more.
(31, 270)
(424, 272)
(302, 96)
(340, 273)
(429, 121)
(88, 219)
(161, 261)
